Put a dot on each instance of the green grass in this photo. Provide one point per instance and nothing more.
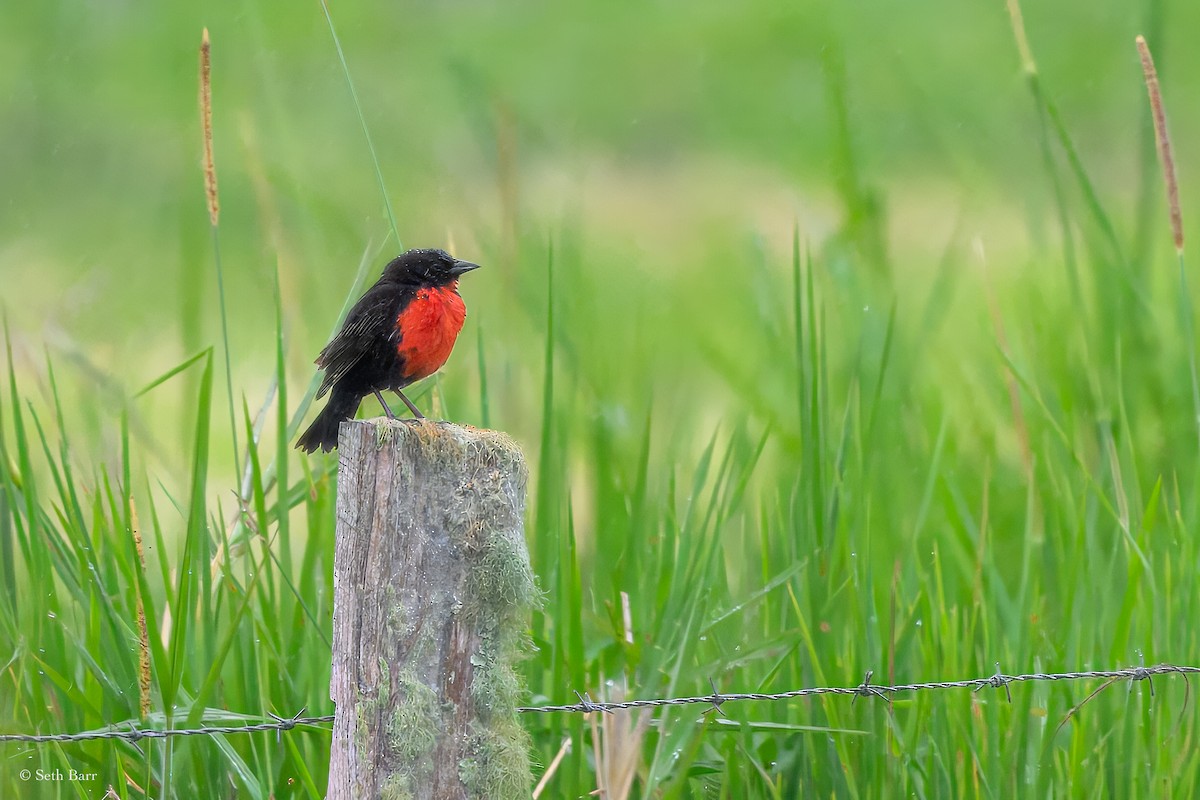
(736, 313)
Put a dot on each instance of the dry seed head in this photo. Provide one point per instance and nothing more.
(143, 634)
(1163, 140)
(210, 170)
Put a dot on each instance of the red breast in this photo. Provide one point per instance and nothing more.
(429, 324)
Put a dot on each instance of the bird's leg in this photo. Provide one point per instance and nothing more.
(386, 408)
(408, 403)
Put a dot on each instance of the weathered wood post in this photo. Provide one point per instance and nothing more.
(431, 592)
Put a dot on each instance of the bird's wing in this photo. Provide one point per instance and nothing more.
(370, 323)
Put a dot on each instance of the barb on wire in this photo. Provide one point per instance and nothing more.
(586, 704)
(286, 724)
(865, 689)
(716, 698)
(129, 731)
(1141, 674)
(996, 681)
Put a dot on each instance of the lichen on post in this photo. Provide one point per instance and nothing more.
(432, 592)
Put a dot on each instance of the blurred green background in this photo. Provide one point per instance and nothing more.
(666, 136)
(867, 345)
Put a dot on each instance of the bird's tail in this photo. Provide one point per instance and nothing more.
(323, 432)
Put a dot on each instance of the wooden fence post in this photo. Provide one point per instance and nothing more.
(431, 592)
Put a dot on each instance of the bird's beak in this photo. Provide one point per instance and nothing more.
(462, 266)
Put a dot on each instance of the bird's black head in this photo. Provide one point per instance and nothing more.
(426, 268)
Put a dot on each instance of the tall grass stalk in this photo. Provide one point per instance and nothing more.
(214, 216)
(362, 119)
(1162, 139)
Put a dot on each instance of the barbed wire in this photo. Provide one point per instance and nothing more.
(866, 689)
(715, 700)
(136, 734)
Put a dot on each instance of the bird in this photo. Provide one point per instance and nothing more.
(400, 331)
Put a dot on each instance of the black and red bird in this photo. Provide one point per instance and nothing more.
(400, 331)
